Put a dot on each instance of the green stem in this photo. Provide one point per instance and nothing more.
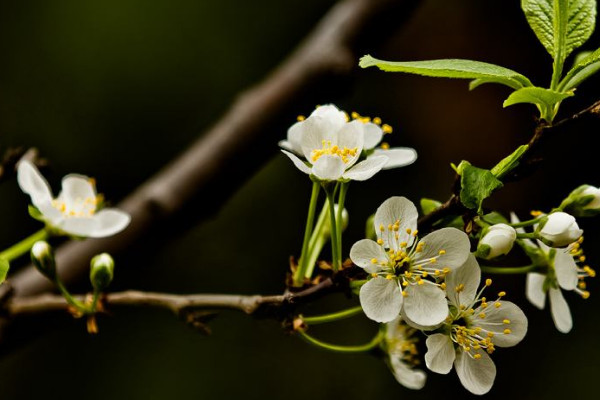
(526, 223)
(336, 316)
(317, 240)
(356, 284)
(342, 349)
(336, 263)
(339, 218)
(69, 298)
(299, 274)
(24, 246)
(509, 270)
(526, 236)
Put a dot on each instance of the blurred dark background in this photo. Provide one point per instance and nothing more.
(115, 89)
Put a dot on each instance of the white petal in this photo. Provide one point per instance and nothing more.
(413, 324)
(294, 137)
(80, 226)
(534, 289)
(477, 376)
(561, 315)
(425, 304)
(331, 115)
(365, 169)
(397, 156)
(381, 299)
(405, 375)
(364, 251)
(298, 162)
(351, 136)
(468, 275)
(314, 131)
(286, 145)
(440, 353)
(392, 210)
(566, 270)
(453, 241)
(110, 222)
(33, 183)
(328, 168)
(76, 189)
(373, 135)
(51, 214)
(494, 321)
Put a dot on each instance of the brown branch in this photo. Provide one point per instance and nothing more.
(329, 53)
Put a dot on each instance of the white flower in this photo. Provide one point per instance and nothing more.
(74, 211)
(560, 229)
(497, 241)
(407, 272)
(594, 204)
(472, 331)
(558, 270)
(401, 347)
(328, 133)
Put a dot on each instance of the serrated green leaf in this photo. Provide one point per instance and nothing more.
(4, 267)
(477, 184)
(536, 95)
(583, 69)
(428, 205)
(509, 163)
(452, 68)
(561, 25)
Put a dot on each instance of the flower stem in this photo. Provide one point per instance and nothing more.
(299, 274)
(335, 255)
(509, 270)
(339, 218)
(526, 223)
(24, 246)
(526, 236)
(342, 349)
(317, 240)
(78, 305)
(336, 316)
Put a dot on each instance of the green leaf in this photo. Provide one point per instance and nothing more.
(561, 25)
(428, 205)
(452, 68)
(536, 95)
(495, 218)
(4, 267)
(583, 69)
(477, 184)
(509, 163)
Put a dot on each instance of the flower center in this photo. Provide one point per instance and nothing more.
(333, 150)
(404, 344)
(81, 207)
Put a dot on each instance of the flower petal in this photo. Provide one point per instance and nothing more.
(454, 242)
(566, 270)
(351, 136)
(397, 156)
(366, 169)
(469, 275)
(75, 189)
(110, 222)
(534, 289)
(294, 137)
(328, 168)
(364, 251)
(33, 183)
(372, 135)
(332, 115)
(79, 226)
(313, 132)
(413, 324)
(477, 376)
(425, 304)
(298, 162)
(440, 353)
(405, 375)
(286, 145)
(561, 315)
(495, 321)
(381, 299)
(394, 209)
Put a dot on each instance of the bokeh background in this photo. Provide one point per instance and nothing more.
(115, 89)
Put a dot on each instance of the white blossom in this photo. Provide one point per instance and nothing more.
(75, 210)
(594, 204)
(407, 273)
(475, 326)
(497, 241)
(560, 229)
(401, 348)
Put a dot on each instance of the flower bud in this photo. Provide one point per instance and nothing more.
(497, 241)
(101, 271)
(583, 201)
(559, 229)
(42, 257)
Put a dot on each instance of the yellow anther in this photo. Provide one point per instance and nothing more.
(407, 274)
(404, 294)
(488, 282)
(446, 270)
(404, 283)
(300, 118)
(355, 115)
(507, 331)
(390, 227)
(443, 285)
(386, 128)
(482, 315)
(536, 213)
(580, 240)
(415, 233)
(501, 294)
(425, 274)
(403, 244)
(389, 277)
(374, 275)
(420, 282)
(374, 261)
(490, 334)
(381, 228)
(377, 121)
(460, 288)
(408, 230)
(442, 252)
(379, 241)
(385, 145)
(585, 294)
(582, 258)
(497, 304)
(436, 272)
(506, 321)
(477, 356)
(581, 285)
(484, 305)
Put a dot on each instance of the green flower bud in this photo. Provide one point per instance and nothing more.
(370, 232)
(583, 202)
(102, 271)
(42, 257)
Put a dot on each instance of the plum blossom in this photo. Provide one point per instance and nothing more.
(407, 273)
(473, 329)
(498, 240)
(401, 347)
(559, 229)
(75, 211)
